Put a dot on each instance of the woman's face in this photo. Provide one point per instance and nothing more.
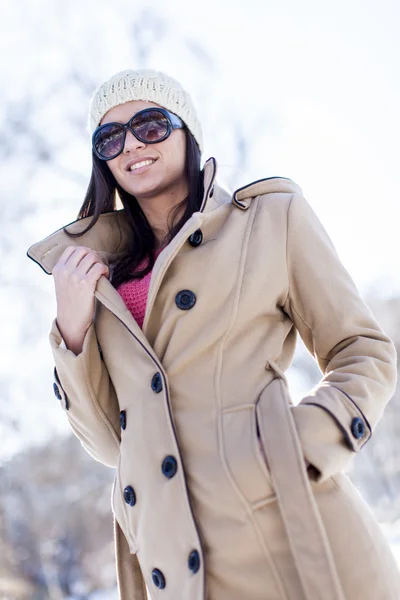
(165, 175)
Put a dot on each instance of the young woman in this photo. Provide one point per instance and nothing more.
(177, 318)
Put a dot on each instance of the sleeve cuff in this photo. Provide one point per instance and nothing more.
(64, 357)
(323, 441)
(59, 391)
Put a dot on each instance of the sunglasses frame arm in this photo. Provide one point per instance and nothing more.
(176, 122)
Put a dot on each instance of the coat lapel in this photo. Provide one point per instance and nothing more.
(109, 237)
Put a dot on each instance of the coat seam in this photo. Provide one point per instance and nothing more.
(220, 436)
(288, 296)
(286, 248)
(309, 328)
(98, 409)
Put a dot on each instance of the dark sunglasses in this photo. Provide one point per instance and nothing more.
(150, 126)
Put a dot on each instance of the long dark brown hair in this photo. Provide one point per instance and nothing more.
(101, 198)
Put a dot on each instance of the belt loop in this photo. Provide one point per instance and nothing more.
(271, 365)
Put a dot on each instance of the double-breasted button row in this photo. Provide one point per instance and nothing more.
(185, 299)
(193, 564)
(169, 468)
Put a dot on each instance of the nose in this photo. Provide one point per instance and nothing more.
(132, 143)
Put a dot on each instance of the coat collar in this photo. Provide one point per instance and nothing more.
(110, 235)
(243, 196)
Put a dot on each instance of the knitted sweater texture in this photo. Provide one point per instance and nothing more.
(134, 293)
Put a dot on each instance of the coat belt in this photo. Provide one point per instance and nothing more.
(299, 511)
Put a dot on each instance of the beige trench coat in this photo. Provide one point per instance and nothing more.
(177, 408)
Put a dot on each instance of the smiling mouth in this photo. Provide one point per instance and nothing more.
(141, 165)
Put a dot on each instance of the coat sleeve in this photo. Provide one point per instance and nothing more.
(87, 395)
(358, 361)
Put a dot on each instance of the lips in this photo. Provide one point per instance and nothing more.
(138, 161)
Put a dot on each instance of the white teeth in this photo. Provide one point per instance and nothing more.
(144, 163)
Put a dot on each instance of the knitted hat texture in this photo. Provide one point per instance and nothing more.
(150, 86)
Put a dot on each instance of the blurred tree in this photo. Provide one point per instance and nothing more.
(56, 523)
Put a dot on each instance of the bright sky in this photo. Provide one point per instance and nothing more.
(313, 87)
(325, 78)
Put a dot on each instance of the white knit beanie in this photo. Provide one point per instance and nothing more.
(147, 85)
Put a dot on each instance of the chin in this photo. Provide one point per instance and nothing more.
(143, 191)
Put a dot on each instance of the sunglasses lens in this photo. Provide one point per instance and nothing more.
(108, 141)
(151, 126)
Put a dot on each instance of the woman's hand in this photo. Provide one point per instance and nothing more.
(313, 473)
(75, 277)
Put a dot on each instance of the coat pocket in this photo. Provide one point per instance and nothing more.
(119, 508)
(276, 391)
(244, 458)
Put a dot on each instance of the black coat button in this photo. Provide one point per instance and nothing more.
(122, 419)
(56, 391)
(194, 561)
(169, 466)
(156, 383)
(185, 299)
(357, 427)
(196, 238)
(158, 579)
(129, 495)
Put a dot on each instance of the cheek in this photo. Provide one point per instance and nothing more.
(113, 166)
(178, 152)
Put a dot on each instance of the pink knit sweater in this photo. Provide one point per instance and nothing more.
(134, 293)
